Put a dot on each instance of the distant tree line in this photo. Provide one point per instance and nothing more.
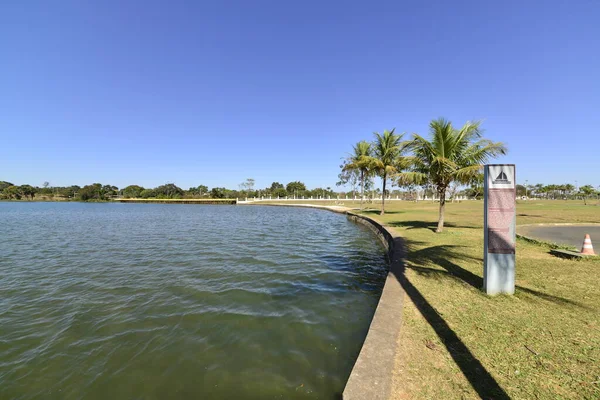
(101, 192)
(565, 191)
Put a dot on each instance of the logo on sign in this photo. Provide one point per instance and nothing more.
(501, 179)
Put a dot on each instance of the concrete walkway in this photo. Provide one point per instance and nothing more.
(570, 235)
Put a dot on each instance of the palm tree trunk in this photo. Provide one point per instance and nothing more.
(442, 194)
(383, 195)
(362, 188)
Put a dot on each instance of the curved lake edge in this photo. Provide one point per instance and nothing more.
(373, 371)
(329, 261)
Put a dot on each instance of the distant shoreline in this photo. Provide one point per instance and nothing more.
(157, 201)
(178, 201)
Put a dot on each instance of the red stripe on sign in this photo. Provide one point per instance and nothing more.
(501, 251)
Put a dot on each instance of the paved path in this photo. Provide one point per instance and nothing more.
(571, 235)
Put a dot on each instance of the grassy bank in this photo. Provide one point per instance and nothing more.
(456, 342)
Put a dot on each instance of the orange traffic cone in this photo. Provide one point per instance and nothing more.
(587, 246)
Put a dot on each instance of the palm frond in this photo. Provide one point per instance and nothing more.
(411, 178)
(468, 174)
(451, 154)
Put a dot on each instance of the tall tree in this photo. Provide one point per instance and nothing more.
(585, 192)
(132, 191)
(109, 191)
(12, 192)
(451, 155)
(538, 189)
(347, 177)
(69, 192)
(28, 191)
(91, 192)
(476, 188)
(4, 185)
(361, 163)
(279, 192)
(168, 191)
(388, 149)
(248, 185)
(218, 193)
(147, 194)
(295, 188)
(198, 191)
(276, 185)
(202, 190)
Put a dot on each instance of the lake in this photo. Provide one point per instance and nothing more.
(156, 301)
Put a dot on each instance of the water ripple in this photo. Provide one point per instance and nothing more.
(152, 301)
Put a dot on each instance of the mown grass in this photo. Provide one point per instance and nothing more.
(543, 342)
(457, 342)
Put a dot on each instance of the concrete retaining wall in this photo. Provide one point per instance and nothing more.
(371, 377)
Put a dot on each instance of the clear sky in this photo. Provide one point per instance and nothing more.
(214, 92)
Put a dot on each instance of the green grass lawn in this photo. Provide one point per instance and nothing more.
(457, 342)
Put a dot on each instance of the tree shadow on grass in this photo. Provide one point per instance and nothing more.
(554, 217)
(414, 255)
(446, 257)
(378, 211)
(432, 226)
(480, 379)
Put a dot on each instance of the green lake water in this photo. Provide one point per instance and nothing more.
(158, 301)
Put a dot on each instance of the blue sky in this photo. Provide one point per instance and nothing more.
(214, 92)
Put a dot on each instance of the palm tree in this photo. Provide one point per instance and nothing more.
(452, 155)
(361, 163)
(388, 150)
